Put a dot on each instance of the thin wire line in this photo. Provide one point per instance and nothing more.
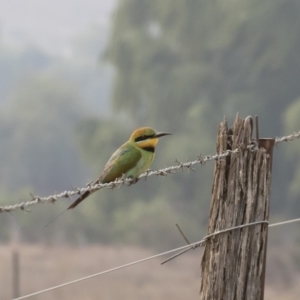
(285, 222)
(105, 272)
(158, 255)
(223, 231)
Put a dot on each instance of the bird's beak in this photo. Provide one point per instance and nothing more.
(159, 134)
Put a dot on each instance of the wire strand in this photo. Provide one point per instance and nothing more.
(125, 181)
(198, 244)
(104, 272)
(285, 222)
(117, 183)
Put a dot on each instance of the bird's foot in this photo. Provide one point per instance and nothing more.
(133, 181)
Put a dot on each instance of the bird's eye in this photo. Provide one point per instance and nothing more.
(143, 138)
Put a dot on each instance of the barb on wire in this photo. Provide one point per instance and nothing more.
(91, 186)
(204, 240)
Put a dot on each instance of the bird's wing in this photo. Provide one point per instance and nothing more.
(120, 162)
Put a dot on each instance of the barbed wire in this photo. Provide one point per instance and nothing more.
(127, 181)
(117, 183)
(182, 249)
(288, 138)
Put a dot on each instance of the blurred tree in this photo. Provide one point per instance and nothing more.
(170, 54)
(292, 124)
(16, 63)
(37, 136)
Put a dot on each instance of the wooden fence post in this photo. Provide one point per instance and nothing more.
(15, 259)
(233, 263)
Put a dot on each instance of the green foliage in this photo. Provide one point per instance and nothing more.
(36, 136)
(292, 124)
(170, 55)
(149, 224)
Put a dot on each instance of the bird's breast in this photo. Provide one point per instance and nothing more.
(142, 165)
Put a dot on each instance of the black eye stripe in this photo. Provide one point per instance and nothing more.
(144, 137)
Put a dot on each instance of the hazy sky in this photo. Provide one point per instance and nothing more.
(50, 24)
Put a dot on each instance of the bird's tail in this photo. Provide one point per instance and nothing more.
(81, 198)
(74, 204)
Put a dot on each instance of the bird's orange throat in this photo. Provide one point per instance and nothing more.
(148, 144)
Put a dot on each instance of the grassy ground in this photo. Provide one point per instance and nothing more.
(43, 267)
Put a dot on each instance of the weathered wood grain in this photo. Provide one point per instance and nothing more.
(233, 264)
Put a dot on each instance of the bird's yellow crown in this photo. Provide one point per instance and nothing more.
(142, 133)
(144, 137)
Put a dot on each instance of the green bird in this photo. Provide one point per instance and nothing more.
(131, 160)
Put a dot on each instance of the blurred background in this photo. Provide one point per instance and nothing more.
(77, 77)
